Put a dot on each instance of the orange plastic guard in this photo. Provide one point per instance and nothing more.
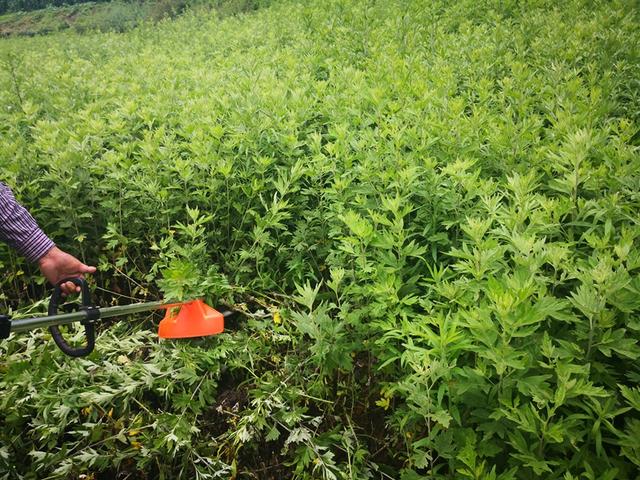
(195, 319)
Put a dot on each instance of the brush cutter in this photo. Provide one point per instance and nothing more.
(194, 319)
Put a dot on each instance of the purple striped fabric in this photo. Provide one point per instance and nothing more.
(19, 229)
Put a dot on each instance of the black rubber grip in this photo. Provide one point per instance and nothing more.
(5, 326)
(89, 329)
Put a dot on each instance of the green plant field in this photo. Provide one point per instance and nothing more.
(427, 213)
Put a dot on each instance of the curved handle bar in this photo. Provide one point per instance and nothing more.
(89, 328)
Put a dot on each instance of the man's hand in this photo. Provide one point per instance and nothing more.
(57, 265)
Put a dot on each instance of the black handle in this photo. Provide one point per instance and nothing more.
(92, 314)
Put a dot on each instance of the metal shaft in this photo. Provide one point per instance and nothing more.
(23, 324)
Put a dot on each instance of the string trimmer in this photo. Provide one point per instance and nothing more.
(194, 319)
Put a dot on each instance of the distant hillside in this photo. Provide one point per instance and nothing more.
(102, 15)
(29, 5)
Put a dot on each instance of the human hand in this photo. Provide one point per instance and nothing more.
(57, 265)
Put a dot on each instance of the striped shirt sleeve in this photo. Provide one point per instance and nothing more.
(19, 229)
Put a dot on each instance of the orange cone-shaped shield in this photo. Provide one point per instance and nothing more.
(195, 319)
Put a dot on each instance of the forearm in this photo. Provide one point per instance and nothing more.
(19, 229)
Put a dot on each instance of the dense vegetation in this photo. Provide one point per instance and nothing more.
(427, 211)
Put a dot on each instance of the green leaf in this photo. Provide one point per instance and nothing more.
(632, 395)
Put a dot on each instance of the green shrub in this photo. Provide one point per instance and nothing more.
(427, 214)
